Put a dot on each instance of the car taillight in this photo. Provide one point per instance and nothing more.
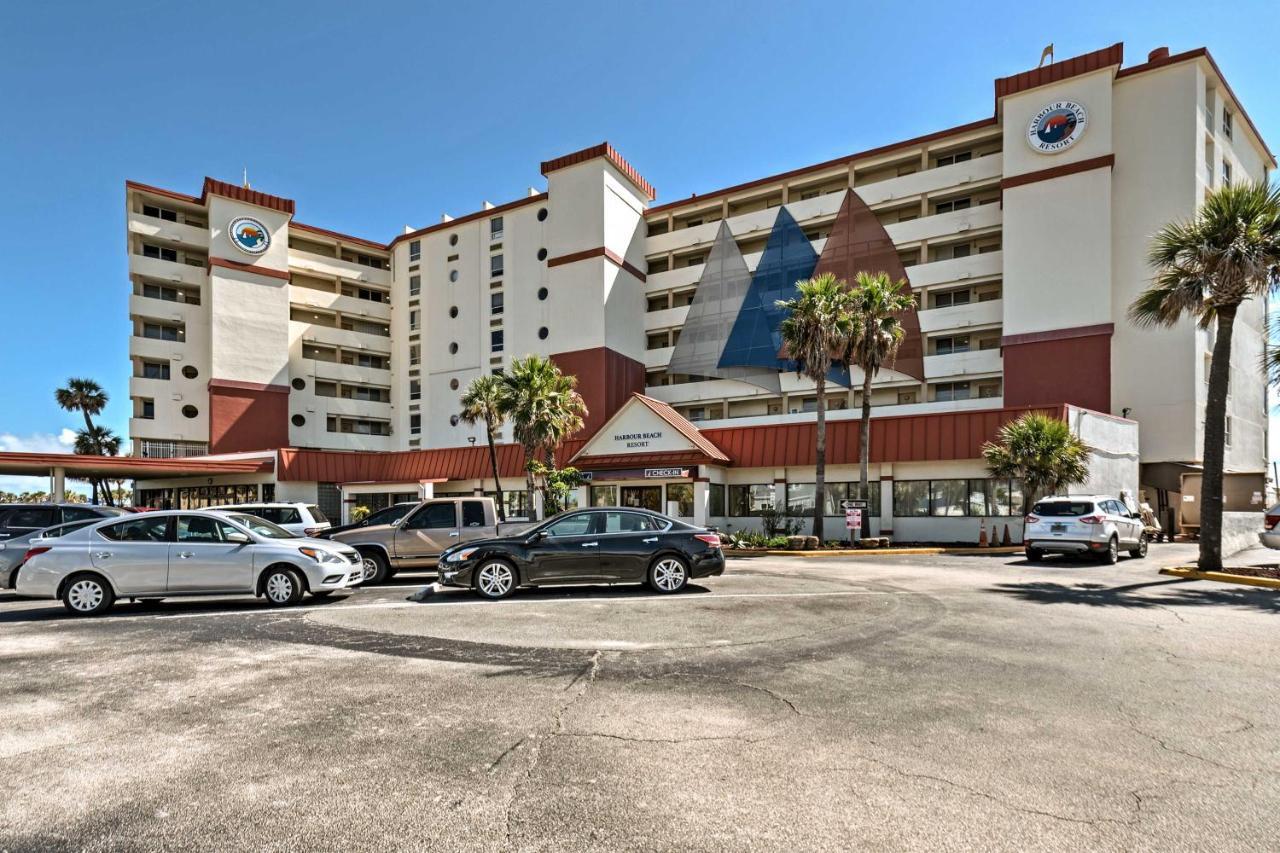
(1093, 519)
(1271, 521)
(1032, 519)
(31, 552)
(710, 538)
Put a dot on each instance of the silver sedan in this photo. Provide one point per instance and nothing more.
(155, 555)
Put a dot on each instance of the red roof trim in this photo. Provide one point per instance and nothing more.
(1058, 334)
(246, 195)
(610, 255)
(1085, 63)
(227, 263)
(147, 188)
(607, 151)
(827, 164)
(470, 217)
(143, 467)
(238, 385)
(1197, 53)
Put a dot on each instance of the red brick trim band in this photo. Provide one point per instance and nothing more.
(1055, 71)
(603, 252)
(249, 268)
(1058, 334)
(246, 195)
(607, 151)
(238, 385)
(1106, 161)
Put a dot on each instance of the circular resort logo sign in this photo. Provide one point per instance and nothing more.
(1057, 127)
(249, 235)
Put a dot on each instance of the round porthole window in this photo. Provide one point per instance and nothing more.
(453, 275)
(453, 385)
(190, 372)
(542, 294)
(453, 311)
(542, 214)
(542, 254)
(542, 333)
(190, 411)
(299, 384)
(453, 348)
(453, 420)
(298, 420)
(453, 239)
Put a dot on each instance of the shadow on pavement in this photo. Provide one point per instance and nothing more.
(598, 592)
(1177, 595)
(53, 610)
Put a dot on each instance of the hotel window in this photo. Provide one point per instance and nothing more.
(415, 389)
(158, 332)
(155, 370)
(604, 496)
(415, 353)
(415, 424)
(715, 500)
(495, 340)
(837, 492)
(495, 303)
(953, 204)
(150, 251)
(682, 495)
(415, 250)
(945, 392)
(415, 285)
(495, 228)
(495, 265)
(747, 501)
(1227, 431)
(148, 410)
(413, 320)
(950, 298)
(658, 340)
(172, 215)
(1226, 124)
(989, 390)
(951, 344)
(957, 157)
(1226, 173)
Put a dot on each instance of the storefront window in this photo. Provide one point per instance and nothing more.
(800, 498)
(682, 494)
(715, 500)
(746, 501)
(948, 497)
(197, 497)
(837, 492)
(642, 497)
(604, 495)
(910, 498)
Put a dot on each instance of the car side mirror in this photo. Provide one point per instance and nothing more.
(239, 538)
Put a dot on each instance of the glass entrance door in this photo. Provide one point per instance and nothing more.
(642, 497)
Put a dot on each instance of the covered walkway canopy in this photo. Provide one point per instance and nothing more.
(58, 466)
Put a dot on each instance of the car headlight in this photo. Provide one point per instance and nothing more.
(322, 556)
(459, 556)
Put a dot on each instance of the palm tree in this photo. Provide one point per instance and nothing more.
(878, 301)
(98, 441)
(1042, 452)
(816, 332)
(544, 410)
(1205, 269)
(482, 401)
(88, 398)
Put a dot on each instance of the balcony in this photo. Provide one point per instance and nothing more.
(670, 279)
(986, 168)
(186, 236)
(349, 305)
(655, 358)
(963, 363)
(330, 336)
(354, 408)
(325, 266)
(962, 316)
(160, 390)
(140, 347)
(666, 319)
(984, 216)
(163, 309)
(168, 270)
(163, 448)
(328, 371)
(958, 269)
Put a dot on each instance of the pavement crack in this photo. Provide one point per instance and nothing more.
(506, 752)
(1164, 744)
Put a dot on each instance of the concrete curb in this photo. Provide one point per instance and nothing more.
(883, 552)
(1194, 574)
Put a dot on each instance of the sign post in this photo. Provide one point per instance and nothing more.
(853, 511)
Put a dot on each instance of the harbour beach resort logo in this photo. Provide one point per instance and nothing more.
(249, 235)
(1057, 127)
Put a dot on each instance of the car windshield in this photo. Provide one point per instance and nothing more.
(262, 527)
(391, 514)
(1062, 509)
(319, 516)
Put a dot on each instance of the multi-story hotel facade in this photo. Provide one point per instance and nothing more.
(339, 361)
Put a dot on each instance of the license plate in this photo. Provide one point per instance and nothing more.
(1058, 527)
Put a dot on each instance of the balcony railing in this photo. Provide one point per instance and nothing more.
(156, 449)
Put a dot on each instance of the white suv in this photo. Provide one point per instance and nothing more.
(1083, 524)
(299, 519)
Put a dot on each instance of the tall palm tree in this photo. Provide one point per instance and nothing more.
(98, 441)
(544, 409)
(816, 333)
(88, 398)
(878, 303)
(482, 401)
(1041, 452)
(1205, 268)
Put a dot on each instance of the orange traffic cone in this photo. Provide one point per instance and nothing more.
(995, 539)
(1007, 540)
(982, 536)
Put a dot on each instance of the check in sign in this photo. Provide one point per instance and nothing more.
(853, 518)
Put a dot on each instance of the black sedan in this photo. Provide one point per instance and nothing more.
(598, 545)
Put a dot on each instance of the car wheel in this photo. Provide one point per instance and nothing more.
(87, 595)
(1141, 551)
(495, 579)
(668, 574)
(376, 568)
(282, 587)
(1111, 556)
(1034, 555)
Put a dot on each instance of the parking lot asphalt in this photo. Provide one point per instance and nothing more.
(888, 702)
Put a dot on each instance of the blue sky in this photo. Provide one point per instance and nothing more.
(377, 115)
